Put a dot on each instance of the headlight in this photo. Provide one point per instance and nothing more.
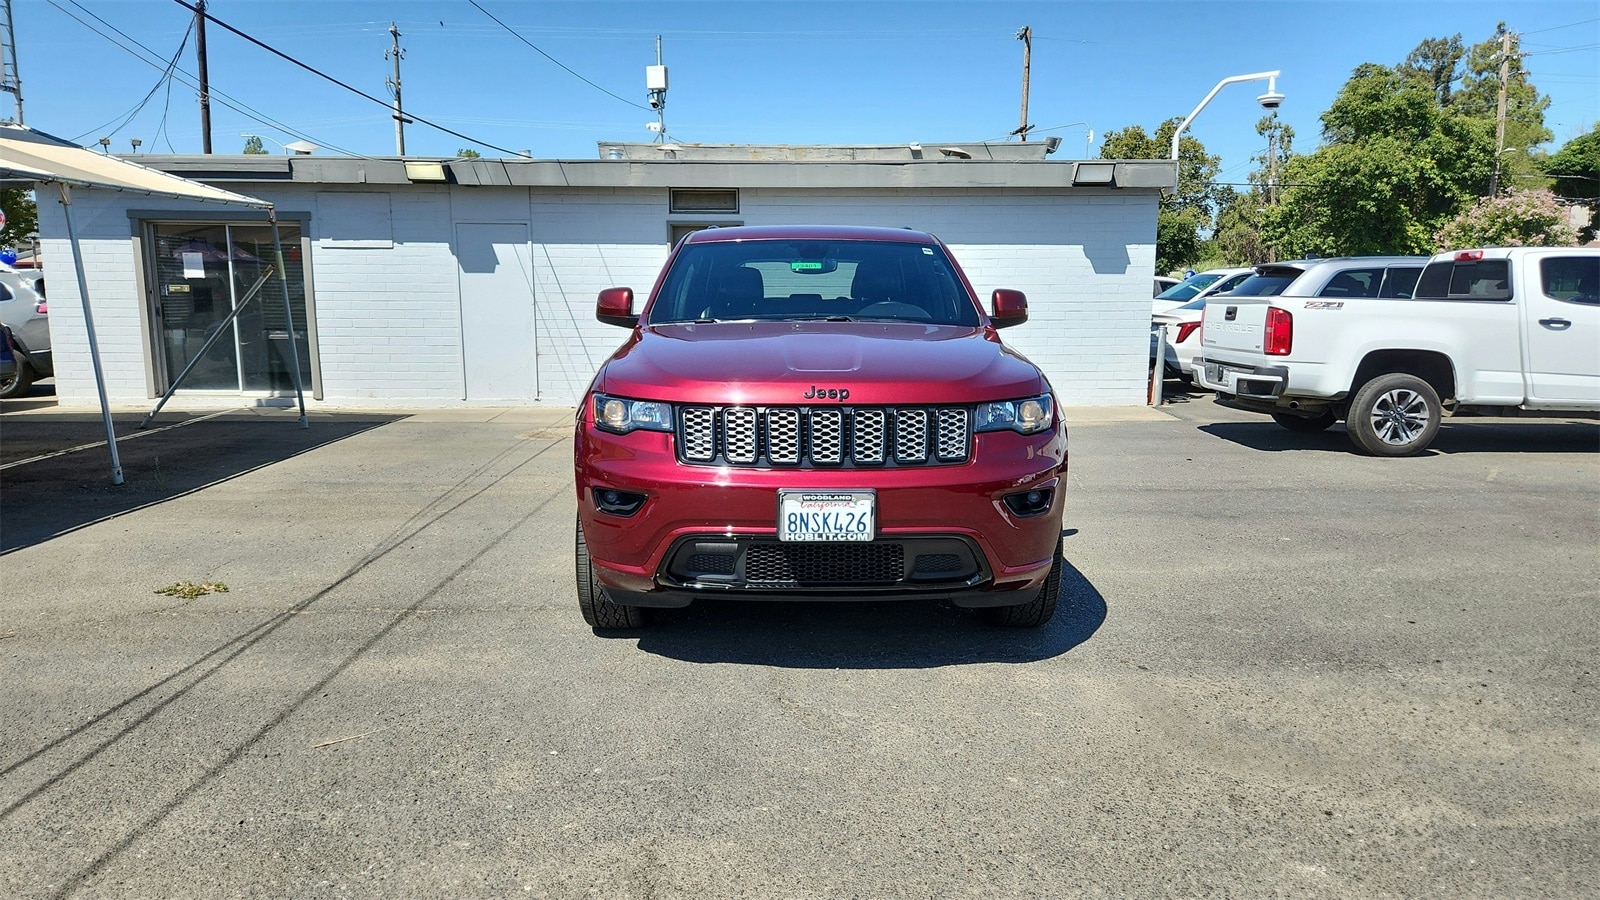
(1029, 416)
(622, 416)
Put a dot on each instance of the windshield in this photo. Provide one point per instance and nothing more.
(1187, 288)
(840, 280)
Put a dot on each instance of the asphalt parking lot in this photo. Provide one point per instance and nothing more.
(1280, 669)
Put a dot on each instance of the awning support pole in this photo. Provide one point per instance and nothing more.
(288, 317)
(88, 324)
(221, 329)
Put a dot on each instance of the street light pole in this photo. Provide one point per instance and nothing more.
(1270, 100)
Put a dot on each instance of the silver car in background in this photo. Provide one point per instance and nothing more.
(23, 310)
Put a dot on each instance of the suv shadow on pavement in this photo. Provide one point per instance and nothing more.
(55, 471)
(887, 635)
(1466, 435)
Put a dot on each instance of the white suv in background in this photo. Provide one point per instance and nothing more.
(23, 309)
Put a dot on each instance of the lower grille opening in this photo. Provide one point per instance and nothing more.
(712, 563)
(837, 563)
(763, 564)
(939, 564)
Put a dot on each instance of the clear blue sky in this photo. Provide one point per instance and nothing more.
(872, 71)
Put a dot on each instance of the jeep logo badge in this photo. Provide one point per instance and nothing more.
(817, 393)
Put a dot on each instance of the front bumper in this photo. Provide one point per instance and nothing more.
(943, 532)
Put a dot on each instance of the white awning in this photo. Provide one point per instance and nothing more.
(33, 156)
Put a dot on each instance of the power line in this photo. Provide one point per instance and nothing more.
(123, 120)
(1561, 50)
(326, 77)
(1559, 27)
(554, 60)
(232, 103)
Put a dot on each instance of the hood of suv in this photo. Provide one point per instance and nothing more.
(765, 363)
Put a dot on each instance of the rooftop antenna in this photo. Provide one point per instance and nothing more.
(655, 81)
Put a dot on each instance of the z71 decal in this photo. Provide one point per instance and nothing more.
(1324, 304)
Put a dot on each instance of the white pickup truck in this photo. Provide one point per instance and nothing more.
(1488, 331)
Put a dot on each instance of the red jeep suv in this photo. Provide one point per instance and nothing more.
(817, 413)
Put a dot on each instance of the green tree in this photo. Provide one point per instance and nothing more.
(1516, 219)
(1187, 211)
(1575, 171)
(468, 153)
(1436, 63)
(1394, 166)
(252, 146)
(1237, 238)
(22, 216)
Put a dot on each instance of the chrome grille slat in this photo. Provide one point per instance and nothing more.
(869, 437)
(739, 435)
(952, 435)
(911, 435)
(699, 434)
(783, 436)
(825, 436)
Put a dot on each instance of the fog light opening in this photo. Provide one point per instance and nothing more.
(1030, 503)
(617, 503)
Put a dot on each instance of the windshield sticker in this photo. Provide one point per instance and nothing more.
(1324, 304)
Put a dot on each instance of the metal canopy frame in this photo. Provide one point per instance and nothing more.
(32, 157)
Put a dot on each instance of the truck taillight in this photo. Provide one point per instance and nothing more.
(1279, 333)
(1469, 256)
(1184, 330)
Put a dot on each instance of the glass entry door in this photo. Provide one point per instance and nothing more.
(202, 272)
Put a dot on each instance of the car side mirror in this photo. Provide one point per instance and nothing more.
(615, 307)
(1010, 308)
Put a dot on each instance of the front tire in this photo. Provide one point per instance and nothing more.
(597, 608)
(17, 384)
(1040, 609)
(1303, 425)
(1394, 415)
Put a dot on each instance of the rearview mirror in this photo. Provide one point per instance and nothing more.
(1010, 308)
(615, 307)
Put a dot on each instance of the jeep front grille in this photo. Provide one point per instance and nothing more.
(824, 436)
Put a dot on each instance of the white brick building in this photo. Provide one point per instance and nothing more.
(472, 283)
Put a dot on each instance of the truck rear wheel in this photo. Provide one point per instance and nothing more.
(1394, 415)
(1037, 611)
(597, 608)
(1305, 425)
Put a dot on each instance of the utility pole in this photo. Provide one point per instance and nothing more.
(1500, 112)
(1272, 165)
(205, 78)
(10, 78)
(1026, 37)
(394, 85)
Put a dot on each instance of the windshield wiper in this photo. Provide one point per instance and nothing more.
(817, 318)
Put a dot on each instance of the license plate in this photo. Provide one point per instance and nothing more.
(827, 515)
(1219, 375)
